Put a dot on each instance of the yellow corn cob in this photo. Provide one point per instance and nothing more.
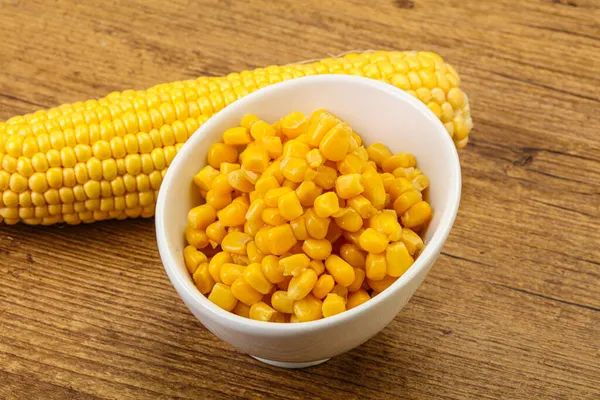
(102, 159)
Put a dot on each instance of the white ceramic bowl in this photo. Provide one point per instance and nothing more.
(379, 112)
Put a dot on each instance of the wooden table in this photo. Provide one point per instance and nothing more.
(512, 307)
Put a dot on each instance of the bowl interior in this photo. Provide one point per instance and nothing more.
(378, 112)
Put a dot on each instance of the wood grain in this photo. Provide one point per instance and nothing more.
(511, 309)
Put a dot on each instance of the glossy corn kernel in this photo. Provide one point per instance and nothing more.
(382, 284)
(342, 272)
(282, 302)
(215, 264)
(308, 309)
(193, 258)
(374, 190)
(244, 292)
(294, 169)
(261, 129)
(248, 120)
(335, 143)
(233, 214)
(362, 206)
(242, 310)
(355, 299)
(294, 264)
(401, 160)
(254, 254)
(273, 146)
(235, 242)
(379, 153)
(299, 228)
(272, 270)
(325, 177)
(262, 312)
(417, 215)
(353, 255)
(307, 192)
(272, 216)
(398, 259)
(326, 205)
(348, 186)
(316, 226)
(255, 159)
(406, 200)
(376, 266)
(202, 216)
(255, 277)
(294, 124)
(318, 266)
(412, 241)
(372, 241)
(220, 153)
(387, 223)
(351, 164)
(319, 124)
(237, 136)
(205, 177)
(324, 285)
(229, 272)
(295, 149)
(289, 206)
(196, 238)
(272, 196)
(314, 158)
(302, 285)
(317, 249)
(202, 279)
(239, 181)
(340, 291)
(332, 305)
(222, 296)
(280, 239)
(350, 221)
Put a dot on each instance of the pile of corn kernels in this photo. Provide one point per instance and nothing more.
(302, 221)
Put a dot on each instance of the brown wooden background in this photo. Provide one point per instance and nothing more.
(511, 309)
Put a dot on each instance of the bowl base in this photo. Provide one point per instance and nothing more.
(293, 365)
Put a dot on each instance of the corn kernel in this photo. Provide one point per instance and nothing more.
(298, 226)
(412, 241)
(239, 181)
(348, 186)
(193, 258)
(295, 149)
(218, 201)
(272, 216)
(294, 169)
(318, 266)
(202, 216)
(273, 146)
(294, 264)
(271, 269)
(235, 242)
(294, 124)
(289, 206)
(416, 215)
(242, 310)
(342, 272)
(353, 255)
(326, 177)
(254, 254)
(334, 232)
(234, 214)
(353, 237)
(316, 226)
(226, 168)
(324, 285)
(248, 120)
(351, 164)
(274, 170)
(237, 136)
(301, 285)
(308, 309)
(359, 278)
(255, 159)
(379, 153)
(372, 241)
(314, 158)
(261, 129)
(387, 223)
(320, 123)
(254, 276)
(332, 305)
(398, 259)
(355, 299)
(326, 204)
(262, 312)
(271, 197)
(307, 192)
(280, 239)
(400, 160)
(350, 221)
(361, 205)
(335, 143)
(215, 264)
(266, 183)
(221, 296)
(229, 272)
(198, 239)
(317, 249)
(244, 292)
(376, 266)
(282, 302)
(220, 153)
(205, 177)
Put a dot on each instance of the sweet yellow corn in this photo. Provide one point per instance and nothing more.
(245, 292)
(222, 296)
(308, 309)
(274, 246)
(355, 299)
(302, 285)
(262, 312)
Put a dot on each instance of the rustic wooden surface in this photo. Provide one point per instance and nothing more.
(512, 307)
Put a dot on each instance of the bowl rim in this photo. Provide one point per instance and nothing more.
(181, 282)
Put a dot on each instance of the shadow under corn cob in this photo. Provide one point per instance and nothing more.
(101, 159)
